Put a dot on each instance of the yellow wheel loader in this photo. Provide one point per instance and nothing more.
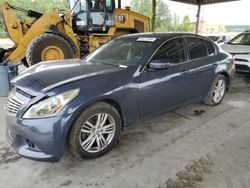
(63, 34)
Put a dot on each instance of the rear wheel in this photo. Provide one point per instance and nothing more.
(48, 47)
(217, 91)
(95, 131)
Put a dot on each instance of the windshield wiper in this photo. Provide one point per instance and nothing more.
(112, 64)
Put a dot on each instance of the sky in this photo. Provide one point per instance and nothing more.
(232, 13)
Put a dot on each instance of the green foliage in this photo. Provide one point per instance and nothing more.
(164, 20)
(185, 25)
(142, 6)
(164, 17)
(146, 7)
(36, 5)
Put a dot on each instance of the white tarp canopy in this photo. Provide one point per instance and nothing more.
(199, 3)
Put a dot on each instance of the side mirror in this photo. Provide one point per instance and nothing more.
(159, 64)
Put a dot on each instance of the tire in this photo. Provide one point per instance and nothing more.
(211, 98)
(38, 49)
(80, 134)
(24, 62)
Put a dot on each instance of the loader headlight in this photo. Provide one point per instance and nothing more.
(50, 107)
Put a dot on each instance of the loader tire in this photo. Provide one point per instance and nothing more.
(24, 62)
(48, 47)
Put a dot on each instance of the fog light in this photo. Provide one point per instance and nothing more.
(30, 144)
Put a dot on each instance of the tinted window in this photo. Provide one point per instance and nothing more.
(172, 52)
(197, 48)
(242, 39)
(80, 6)
(210, 48)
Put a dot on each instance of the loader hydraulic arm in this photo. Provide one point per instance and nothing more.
(30, 13)
(13, 26)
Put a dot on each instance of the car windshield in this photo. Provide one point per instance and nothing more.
(122, 52)
(213, 38)
(242, 39)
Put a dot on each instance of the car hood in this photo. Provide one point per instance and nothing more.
(48, 75)
(236, 49)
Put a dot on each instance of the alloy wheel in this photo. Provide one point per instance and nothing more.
(97, 132)
(219, 91)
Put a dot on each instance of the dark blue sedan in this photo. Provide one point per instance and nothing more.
(84, 104)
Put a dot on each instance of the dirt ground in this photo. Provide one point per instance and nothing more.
(192, 147)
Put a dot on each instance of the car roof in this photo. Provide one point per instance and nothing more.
(161, 35)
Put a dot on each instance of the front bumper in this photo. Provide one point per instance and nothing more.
(242, 63)
(38, 139)
(242, 67)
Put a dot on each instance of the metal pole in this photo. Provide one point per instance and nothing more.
(198, 17)
(119, 4)
(153, 17)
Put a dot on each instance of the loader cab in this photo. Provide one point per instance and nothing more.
(93, 16)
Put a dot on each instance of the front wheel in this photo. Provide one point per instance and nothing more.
(95, 131)
(217, 91)
(48, 47)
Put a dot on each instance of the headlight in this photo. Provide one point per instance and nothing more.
(51, 106)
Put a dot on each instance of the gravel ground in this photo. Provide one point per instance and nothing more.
(192, 147)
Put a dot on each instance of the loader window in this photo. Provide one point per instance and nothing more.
(79, 7)
(110, 5)
(124, 51)
(97, 5)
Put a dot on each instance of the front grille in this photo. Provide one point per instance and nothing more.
(13, 104)
(242, 68)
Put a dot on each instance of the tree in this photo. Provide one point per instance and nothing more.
(185, 25)
(142, 6)
(176, 22)
(164, 17)
(153, 18)
(146, 7)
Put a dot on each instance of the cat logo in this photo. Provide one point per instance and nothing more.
(120, 18)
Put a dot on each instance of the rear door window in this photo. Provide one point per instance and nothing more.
(210, 48)
(196, 47)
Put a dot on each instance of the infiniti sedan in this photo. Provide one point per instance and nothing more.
(84, 104)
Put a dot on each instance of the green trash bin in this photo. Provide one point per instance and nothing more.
(6, 74)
